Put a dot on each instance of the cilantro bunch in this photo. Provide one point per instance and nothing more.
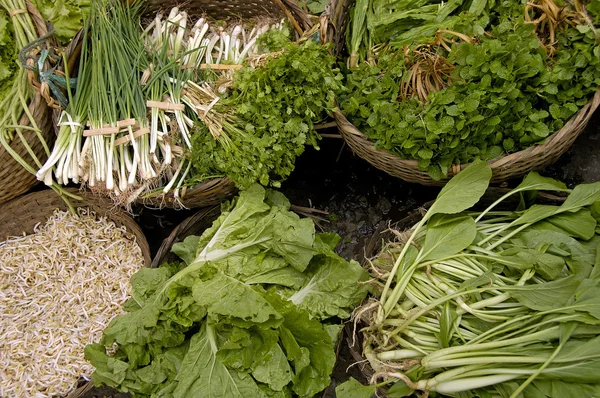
(504, 94)
(276, 106)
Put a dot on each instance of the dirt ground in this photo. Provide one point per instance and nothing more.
(360, 200)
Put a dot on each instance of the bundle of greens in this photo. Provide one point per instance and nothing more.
(17, 31)
(493, 303)
(252, 311)
(447, 83)
(274, 106)
(110, 102)
(187, 71)
(177, 104)
(8, 53)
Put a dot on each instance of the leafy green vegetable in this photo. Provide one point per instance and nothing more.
(276, 106)
(492, 303)
(448, 235)
(8, 54)
(314, 6)
(250, 313)
(65, 15)
(353, 389)
(448, 83)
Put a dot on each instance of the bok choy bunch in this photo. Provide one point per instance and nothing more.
(494, 303)
(251, 311)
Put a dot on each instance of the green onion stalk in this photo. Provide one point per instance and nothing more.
(14, 108)
(166, 46)
(11, 108)
(133, 105)
(108, 162)
(66, 156)
(476, 300)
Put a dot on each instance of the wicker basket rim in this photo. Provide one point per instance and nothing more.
(46, 201)
(502, 161)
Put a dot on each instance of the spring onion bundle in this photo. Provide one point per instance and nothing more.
(141, 95)
(188, 68)
(493, 303)
(15, 93)
(15, 33)
(59, 288)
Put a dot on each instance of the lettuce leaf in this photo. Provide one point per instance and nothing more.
(66, 15)
(246, 314)
(8, 54)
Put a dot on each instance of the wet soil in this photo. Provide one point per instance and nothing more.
(361, 200)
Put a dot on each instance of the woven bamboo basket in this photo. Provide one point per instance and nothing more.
(504, 168)
(193, 225)
(14, 179)
(214, 191)
(22, 214)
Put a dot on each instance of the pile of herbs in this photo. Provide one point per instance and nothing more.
(490, 303)
(447, 83)
(252, 310)
(276, 105)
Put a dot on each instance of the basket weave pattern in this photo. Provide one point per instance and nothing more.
(504, 168)
(22, 214)
(14, 179)
(196, 224)
(205, 194)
